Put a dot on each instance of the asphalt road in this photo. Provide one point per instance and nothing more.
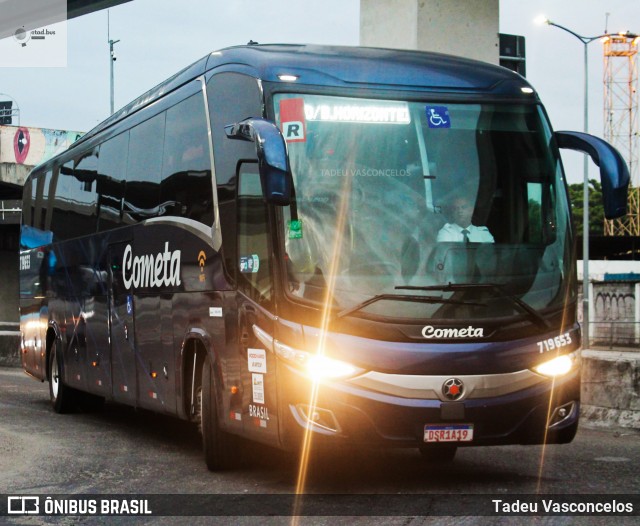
(121, 450)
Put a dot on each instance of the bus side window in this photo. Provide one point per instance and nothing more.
(232, 97)
(34, 201)
(74, 213)
(41, 192)
(253, 236)
(112, 166)
(186, 188)
(144, 166)
(27, 203)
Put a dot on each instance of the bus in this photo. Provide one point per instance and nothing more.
(265, 245)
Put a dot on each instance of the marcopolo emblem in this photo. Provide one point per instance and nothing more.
(453, 389)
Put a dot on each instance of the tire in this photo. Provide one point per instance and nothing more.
(219, 451)
(64, 399)
(438, 454)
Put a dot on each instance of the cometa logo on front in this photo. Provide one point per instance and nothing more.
(151, 270)
(430, 332)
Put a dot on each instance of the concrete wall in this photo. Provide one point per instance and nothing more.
(13, 173)
(467, 28)
(389, 23)
(614, 313)
(610, 388)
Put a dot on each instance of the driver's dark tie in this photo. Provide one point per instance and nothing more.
(465, 235)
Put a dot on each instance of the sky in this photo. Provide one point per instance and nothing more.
(160, 37)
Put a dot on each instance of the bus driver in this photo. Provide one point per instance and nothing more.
(460, 229)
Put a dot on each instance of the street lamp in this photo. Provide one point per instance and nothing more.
(585, 210)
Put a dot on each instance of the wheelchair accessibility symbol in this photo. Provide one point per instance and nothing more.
(438, 117)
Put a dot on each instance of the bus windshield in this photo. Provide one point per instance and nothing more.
(428, 201)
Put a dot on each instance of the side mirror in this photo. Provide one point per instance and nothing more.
(273, 161)
(614, 173)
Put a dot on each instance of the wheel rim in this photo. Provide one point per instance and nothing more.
(55, 376)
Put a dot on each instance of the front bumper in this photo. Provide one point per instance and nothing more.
(371, 410)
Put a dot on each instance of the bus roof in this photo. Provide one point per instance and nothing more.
(340, 66)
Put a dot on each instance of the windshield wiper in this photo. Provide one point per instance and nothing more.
(535, 316)
(405, 297)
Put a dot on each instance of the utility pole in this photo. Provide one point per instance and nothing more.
(112, 59)
(585, 213)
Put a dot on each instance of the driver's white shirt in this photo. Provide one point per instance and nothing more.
(453, 232)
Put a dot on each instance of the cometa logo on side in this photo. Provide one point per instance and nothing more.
(151, 270)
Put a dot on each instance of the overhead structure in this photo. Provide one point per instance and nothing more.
(621, 120)
(468, 28)
(76, 8)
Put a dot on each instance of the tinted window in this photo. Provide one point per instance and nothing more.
(34, 190)
(27, 203)
(38, 189)
(253, 237)
(75, 212)
(112, 166)
(144, 166)
(232, 98)
(62, 220)
(186, 172)
(49, 200)
(43, 203)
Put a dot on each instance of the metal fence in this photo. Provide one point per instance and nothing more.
(615, 334)
(10, 211)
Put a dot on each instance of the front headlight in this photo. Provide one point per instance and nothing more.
(558, 366)
(318, 367)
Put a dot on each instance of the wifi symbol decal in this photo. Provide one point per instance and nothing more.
(202, 259)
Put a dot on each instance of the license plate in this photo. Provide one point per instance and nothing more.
(448, 432)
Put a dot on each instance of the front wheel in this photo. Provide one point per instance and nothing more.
(219, 451)
(63, 398)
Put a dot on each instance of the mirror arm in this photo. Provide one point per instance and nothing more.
(273, 160)
(614, 173)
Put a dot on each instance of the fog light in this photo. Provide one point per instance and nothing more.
(562, 413)
(319, 418)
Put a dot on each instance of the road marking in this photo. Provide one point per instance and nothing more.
(613, 459)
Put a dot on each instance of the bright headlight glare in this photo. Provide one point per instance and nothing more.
(316, 366)
(290, 354)
(558, 366)
(321, 367)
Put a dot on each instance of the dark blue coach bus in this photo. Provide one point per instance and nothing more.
(296, 243)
